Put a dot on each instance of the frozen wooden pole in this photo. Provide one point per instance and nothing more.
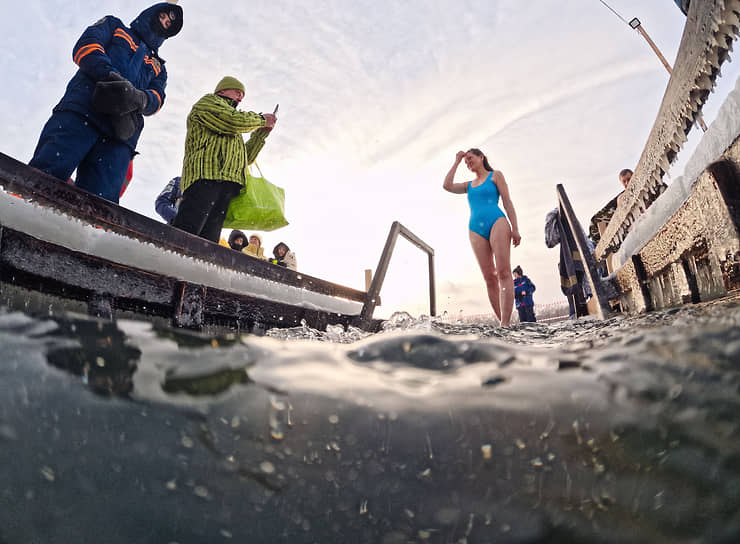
(368, 278)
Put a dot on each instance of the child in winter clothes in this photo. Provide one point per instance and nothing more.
(523, 289)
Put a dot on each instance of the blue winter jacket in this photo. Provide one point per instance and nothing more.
(523, 285)
(110, 46)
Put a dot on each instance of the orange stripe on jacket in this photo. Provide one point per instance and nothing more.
(123, 34)
(86, 50)
(160, 100)
(155, 65)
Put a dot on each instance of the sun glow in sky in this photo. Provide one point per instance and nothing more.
(376, 97)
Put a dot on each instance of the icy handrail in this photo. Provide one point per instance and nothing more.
(721, 134)
(711, 26)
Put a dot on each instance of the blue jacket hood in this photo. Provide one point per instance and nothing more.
(146, 25)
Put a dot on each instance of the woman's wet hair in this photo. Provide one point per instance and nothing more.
(478, 152)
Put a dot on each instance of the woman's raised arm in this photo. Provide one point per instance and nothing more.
(448, 184)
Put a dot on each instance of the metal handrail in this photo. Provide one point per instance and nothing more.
(371, 300)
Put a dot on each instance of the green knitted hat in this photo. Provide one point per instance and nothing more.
(229, 83)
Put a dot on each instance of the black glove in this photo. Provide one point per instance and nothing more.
(124, 126)
(117, 96)
(114, 76)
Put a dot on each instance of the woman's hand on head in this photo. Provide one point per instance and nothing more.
(516, 238)
(459, 156)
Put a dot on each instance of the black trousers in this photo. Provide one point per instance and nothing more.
(203, 207)
(526, 314)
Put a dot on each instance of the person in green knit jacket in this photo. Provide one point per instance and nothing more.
(214, 169)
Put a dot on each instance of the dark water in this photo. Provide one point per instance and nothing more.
(625, 430)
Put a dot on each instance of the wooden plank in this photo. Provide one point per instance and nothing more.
(106, 287)
(73, 272)
(250, 313)
(32, 184)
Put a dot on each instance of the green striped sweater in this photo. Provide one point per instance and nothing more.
(214, 148)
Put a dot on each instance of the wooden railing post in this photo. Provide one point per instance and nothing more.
(598, 289)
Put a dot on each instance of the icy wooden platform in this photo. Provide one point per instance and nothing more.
(60, 241)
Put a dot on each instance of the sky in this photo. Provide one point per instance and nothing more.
(376, 97)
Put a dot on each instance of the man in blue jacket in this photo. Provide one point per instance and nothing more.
(523, 289)
(121, 78)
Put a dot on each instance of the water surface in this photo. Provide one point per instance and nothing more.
(624, 430)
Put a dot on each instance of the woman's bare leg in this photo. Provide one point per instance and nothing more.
(501, 248)
(484, 256)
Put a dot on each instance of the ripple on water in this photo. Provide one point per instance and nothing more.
(430, 430)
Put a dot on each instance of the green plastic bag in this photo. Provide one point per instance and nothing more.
(259, 206)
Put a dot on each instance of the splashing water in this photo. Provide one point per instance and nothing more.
(624, 430)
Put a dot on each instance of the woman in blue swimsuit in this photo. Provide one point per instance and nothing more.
(491, 234)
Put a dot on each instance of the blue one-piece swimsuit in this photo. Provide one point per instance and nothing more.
(484, 210)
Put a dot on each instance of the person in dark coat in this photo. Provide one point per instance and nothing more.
(97, 124)
(523, 289)
(573, 282)
(237, 240)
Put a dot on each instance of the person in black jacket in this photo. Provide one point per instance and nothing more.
(237, 240)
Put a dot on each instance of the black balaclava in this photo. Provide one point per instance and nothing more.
(232, 240)
(147, 24)
(175, 13)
